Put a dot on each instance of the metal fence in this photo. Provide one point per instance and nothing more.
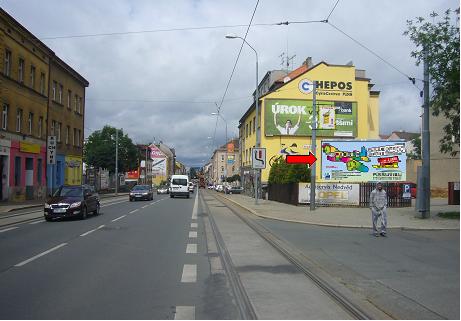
(284, 193)
(393, 190)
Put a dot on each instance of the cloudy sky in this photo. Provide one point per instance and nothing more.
(163, 85)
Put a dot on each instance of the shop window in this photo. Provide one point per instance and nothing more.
(17, 171)
(58, 172)
(39, 171)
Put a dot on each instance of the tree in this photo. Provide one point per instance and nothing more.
(441, 41)
(192, 173)
(99, 151)
(283, 173)
(416, 154)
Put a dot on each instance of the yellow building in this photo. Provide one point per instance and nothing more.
(347, 108)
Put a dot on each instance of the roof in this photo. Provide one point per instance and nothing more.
(405, 135)
(384, 136)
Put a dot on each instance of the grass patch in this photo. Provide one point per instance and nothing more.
(452, 215)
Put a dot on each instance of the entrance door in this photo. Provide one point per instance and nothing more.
(29, 178)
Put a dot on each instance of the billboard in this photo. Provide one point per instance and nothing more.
(363, 161)
(159, 166)
(330, 193)
(132, 175)
(230, 147)
(294, 117)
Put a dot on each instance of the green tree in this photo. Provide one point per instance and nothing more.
(283, 173)
(99, 151)
(416, 154)
(441, 41)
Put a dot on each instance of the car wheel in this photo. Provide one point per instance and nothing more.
(171, 196)
(188, 196)
(83, 215)
(96, 211)
(48, 219)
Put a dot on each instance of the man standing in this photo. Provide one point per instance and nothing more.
(289, 129)
(378, 204)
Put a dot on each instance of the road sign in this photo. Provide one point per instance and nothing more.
(258, 158)
(51, 150)
(301, 159)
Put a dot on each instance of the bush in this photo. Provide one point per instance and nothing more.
(283, 173)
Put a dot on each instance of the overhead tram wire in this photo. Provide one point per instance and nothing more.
(332, 10)
(233, 69)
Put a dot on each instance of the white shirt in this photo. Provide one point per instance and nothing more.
(287, 130)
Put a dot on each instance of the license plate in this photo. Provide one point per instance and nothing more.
(138, 195)
(59, 210)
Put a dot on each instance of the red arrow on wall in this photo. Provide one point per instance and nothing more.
(301, 159)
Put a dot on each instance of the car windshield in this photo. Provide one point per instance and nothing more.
(69, 191)
(179, 181)
(140, 188)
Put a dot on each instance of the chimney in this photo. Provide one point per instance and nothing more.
(308, 62)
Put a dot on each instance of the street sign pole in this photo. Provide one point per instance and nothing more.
(313, 143)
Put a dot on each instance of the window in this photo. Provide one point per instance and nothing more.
(222, 158)
(17, 171)
(58, 132)
(69, 99)
(254, 124)
(250, 127)
(39, 171)
(40, 126)
(21, 70)
(80, 105)
(60, 94)
(246, 130)
(74, 137)
(78, 137)
(53, 126)
(53, 93)
(5, 117)
(76, 102)
(7, 63)
(222, 168)
(32, 76)
(30, 120)
(67, 134)
(18, 119)
(42, 83)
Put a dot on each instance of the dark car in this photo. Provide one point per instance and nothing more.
(72, 201)
(142, 192)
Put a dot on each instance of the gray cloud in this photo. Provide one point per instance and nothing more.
(194, 66)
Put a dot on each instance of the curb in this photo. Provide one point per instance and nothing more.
(340, 225)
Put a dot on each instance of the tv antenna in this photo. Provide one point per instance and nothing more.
(286, 60)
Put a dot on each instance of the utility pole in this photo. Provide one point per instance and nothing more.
(116, 161)
(313, 144)
(145, 169)
(425, 143)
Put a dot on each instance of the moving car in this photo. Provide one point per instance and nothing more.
(141, 192)
(179, 186)
(191, 187)
(233, 190)
(162, 190)
(72, 201)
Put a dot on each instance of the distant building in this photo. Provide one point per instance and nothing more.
(406, 136)
(225, 161)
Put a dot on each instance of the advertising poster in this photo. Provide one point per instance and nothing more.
(330, 193)
(230, 159)
(294, 117)
(159, 166)
(363, 161)
(132, 175)
(230, 147)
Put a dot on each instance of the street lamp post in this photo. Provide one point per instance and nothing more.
(116, 161)
(225, 160)
(258, 138)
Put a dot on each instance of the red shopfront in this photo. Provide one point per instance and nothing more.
(27, 171)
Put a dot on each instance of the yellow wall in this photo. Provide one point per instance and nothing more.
(73, 170)
(367, 113)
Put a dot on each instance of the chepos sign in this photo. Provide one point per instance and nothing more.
(51, 150)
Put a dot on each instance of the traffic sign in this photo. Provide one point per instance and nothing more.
(51, 150)
(301, 159)
(258, 158)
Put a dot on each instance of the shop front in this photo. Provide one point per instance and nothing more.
(4, 169)
(56, 173)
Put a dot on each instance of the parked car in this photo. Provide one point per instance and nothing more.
(191, 187)
(219, 188)
(179, 186)
(141, 192)
(162, 190)
(233, 190)
(72, 201)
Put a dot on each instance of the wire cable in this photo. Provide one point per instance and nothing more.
(331, 11)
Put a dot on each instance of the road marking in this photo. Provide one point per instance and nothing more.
(86, 233)
(194, 210)
(41, 221)
(193, 234)
(41, 254)
(145, 206)
(189, 273)
(134, 211)
(113, 203)
(118, 218)
(184, 313)
(8, 229)
(191, 249)
(193, 225)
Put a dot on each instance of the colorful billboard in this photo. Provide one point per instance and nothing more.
(363, 161)
(294, 117)
(132, 175)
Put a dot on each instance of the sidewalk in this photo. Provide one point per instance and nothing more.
(403, 218)
(13, 206)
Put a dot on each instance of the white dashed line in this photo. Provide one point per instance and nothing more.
(8, 229)
(86, 233)
(194, 210)
(191, 249)
(185, 313)
(41, 254)
(189, 273)
(145, 206)
(41, 221)
(193, 225)
(134, 211)
(118, 218)
(192, 234)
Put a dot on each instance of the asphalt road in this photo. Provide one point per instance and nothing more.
(137, 260)
(409, 274)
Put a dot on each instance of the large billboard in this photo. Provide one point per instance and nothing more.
(294, 117)
(363, 161)
(330, 193)
(158, 161)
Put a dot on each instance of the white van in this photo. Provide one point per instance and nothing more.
(179, 186)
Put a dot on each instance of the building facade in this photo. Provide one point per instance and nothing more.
(29, 112)
(347, 109)
(225, 162)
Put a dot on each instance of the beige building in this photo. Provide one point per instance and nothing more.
(225, 162)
